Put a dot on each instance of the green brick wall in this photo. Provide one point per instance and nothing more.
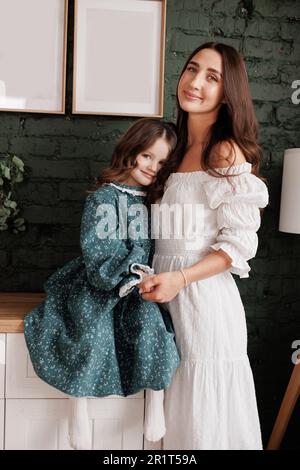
(63, 153)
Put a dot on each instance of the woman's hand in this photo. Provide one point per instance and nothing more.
(161, 287)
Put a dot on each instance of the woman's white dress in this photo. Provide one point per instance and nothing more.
(211, 403)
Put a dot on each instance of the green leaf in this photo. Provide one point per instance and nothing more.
(11, 172)
(6, 173)
(18, 222)
(18, 162)
(19, 177)
(4, 212)
(9, 203)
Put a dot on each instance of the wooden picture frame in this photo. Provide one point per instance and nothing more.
(119, 51)
(33, 45)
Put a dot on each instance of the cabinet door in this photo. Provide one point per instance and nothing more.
(1, 424)
(36, 424)
(42, 424)
(117, 423)
(22, 381)
(2, 364)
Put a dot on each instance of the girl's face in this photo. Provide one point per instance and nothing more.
(200, 88)
(148, 163)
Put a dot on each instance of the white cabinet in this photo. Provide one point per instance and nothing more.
(42, 424)
(2, 364)
(1, 424)
(117, 423)
(36, 413)
(36, 424)
(2, 377)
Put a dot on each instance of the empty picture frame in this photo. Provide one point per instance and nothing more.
(33, 42)
(119, 48)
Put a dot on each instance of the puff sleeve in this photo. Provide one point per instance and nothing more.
(109, 261)
(237, 200)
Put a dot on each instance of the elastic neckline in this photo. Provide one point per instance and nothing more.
(235, 169)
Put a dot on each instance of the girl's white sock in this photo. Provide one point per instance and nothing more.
(154, 426)
(78, 424)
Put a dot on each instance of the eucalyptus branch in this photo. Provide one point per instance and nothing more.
(11, 173)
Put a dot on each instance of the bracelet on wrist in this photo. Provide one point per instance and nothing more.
(184, 277)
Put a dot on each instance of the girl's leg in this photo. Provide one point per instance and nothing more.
(154, 426)
(78, 424)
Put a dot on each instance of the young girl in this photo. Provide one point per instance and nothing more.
(94, 335)
(211, 403)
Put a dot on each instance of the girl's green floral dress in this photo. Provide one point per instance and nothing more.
(94, 335)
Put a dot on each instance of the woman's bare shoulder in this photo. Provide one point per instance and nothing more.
(228, 153)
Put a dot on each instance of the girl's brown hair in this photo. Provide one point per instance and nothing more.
(236, 121)
(140, 136)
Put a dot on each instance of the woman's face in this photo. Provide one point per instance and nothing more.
(200, 89)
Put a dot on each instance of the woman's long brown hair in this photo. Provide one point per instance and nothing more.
(236, 121)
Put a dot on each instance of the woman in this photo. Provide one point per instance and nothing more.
(211, 402)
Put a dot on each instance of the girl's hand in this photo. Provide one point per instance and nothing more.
(161, 287)
(143, 274)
